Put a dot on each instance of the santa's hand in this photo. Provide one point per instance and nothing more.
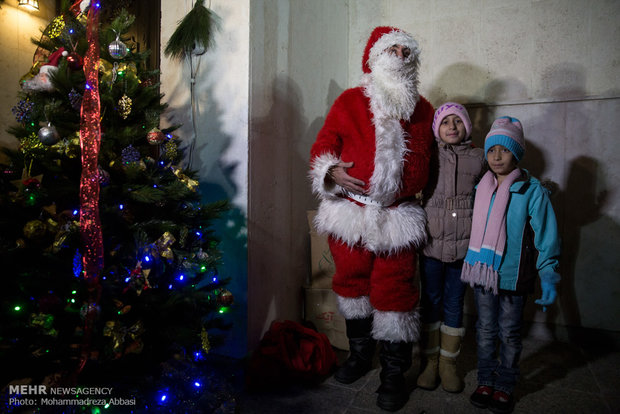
(549, 293)
(338, 173)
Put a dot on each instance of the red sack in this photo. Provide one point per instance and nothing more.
(291, 351)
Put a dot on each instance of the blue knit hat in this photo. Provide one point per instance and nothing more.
(508, 132)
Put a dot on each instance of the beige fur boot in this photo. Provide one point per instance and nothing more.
(450, 350)
(428, 379)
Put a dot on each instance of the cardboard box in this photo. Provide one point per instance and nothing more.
(321, 309)
(322, 263)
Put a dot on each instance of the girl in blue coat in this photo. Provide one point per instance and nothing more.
(514, 238)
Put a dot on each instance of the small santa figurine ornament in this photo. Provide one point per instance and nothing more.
(42, 81)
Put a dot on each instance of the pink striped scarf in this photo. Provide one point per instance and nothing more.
(488, 234)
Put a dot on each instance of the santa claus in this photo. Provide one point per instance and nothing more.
(369, 161)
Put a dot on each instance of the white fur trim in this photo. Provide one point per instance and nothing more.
(319, 167)
(390, 150)
(448, 330)
(448, 354)
(380, 230)
(355, 308)
(395, 37)
(396, 326)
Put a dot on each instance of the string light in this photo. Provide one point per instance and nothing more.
(77, 263)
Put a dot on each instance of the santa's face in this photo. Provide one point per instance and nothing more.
(401, 51)
(394, 75)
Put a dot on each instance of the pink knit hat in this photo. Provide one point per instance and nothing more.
(451, 108)
(508, 132)
(383, 37)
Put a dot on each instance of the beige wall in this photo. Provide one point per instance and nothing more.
(17, 27)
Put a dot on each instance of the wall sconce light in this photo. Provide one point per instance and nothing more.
(29, 4)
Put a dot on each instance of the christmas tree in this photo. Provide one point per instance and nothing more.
(109, 266)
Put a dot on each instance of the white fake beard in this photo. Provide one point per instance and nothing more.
(392, 86)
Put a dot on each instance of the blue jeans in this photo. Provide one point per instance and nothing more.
(499, 317)
(442, 291)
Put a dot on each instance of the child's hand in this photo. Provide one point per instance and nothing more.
(549, 293)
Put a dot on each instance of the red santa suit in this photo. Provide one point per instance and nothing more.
(373, 237)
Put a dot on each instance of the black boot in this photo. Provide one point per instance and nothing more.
(395, 360)
(361, 348)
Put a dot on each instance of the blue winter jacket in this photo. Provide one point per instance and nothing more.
(532, 239)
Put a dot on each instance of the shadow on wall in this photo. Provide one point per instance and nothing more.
(277, 184)
(590, 239)
(217, 183)
(576, 201)
(562, 127)
(311, 201)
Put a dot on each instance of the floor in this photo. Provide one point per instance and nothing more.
(580, 376)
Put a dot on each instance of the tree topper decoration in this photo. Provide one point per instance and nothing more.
(194, 33)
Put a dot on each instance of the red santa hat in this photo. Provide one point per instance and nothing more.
(53, 60)
(383, 37)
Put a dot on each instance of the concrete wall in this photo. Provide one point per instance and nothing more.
(299, 53)
(17, 27)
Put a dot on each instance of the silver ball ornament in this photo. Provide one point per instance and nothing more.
(48, 135)
(117, 49)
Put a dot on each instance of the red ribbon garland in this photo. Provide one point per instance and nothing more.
(90, 224)
(90, 137)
